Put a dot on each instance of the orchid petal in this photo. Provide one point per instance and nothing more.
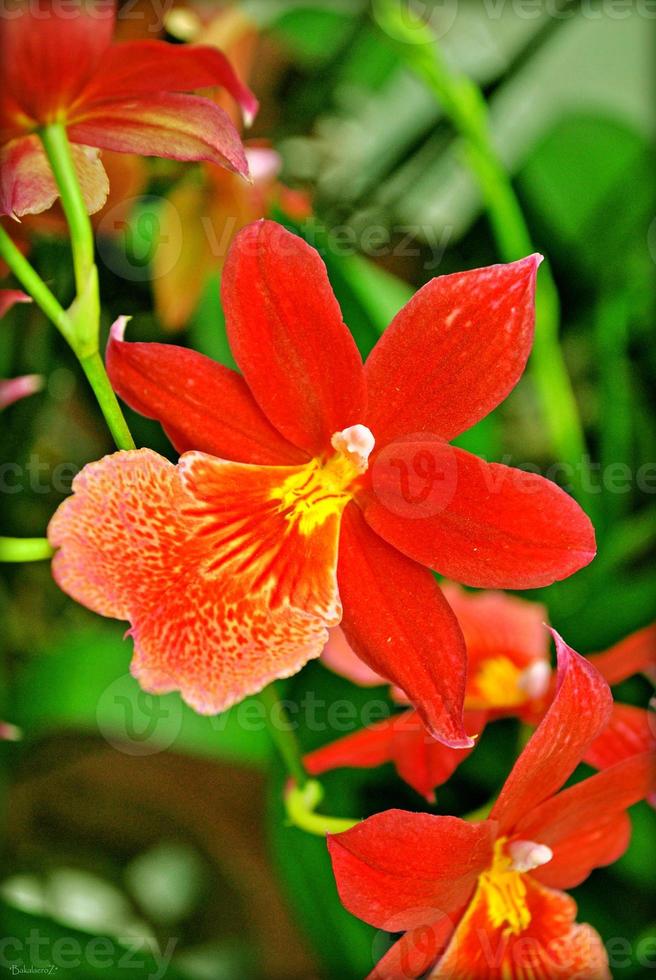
(288, 338)
(553, 946)
(453, 353)
(580, 710)
(398, 622)
(479, 523)
(133, 69)
(399, 870)
(633, 655)
(9, 298)
(201, 404)
(49, 52)
(27, 185)
(223, 593)
(576, 819)
(181, 127)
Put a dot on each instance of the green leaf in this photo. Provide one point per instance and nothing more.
(344, 943)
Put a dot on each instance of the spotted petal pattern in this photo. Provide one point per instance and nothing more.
(222, 593)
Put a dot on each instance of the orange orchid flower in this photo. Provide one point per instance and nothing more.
(509, 675)
(286, 511)
(485, 900)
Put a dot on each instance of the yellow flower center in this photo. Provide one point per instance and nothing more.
(322, 488)
(505, 893)
(496, 684)
(500, 683)
(502, 886)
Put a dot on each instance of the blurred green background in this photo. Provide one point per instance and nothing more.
(130, 818)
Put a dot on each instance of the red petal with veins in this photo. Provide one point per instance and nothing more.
(580, 710)
(223, 592)
(397, 620)
(596, 845)
(479, 523)
(133, 69)
(398, 870)
(165, 124)
(633, 655)
(453, 353)
(201, 404)
(287, 335)
(630, 731)
(579, 816)
(27, 185)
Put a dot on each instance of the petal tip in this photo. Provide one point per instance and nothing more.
(117, 329)
(459, 741)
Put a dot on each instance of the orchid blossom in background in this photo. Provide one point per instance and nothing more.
(486, 899)
(509, 675)
(131, 97)
(296, 498)
(210, 205)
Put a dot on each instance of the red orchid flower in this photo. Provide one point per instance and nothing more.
(59, 65)
(232, 565)
(484, 900)
(509, 675)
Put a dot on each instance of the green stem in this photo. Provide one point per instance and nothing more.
(465, 105)
(24, 549)
(81, 325)
(97, 376)
(35, 286)
(58, 150)
(304, 794)
(300, 804)
(282, 734)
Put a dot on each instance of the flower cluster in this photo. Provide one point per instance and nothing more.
(315, 497)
